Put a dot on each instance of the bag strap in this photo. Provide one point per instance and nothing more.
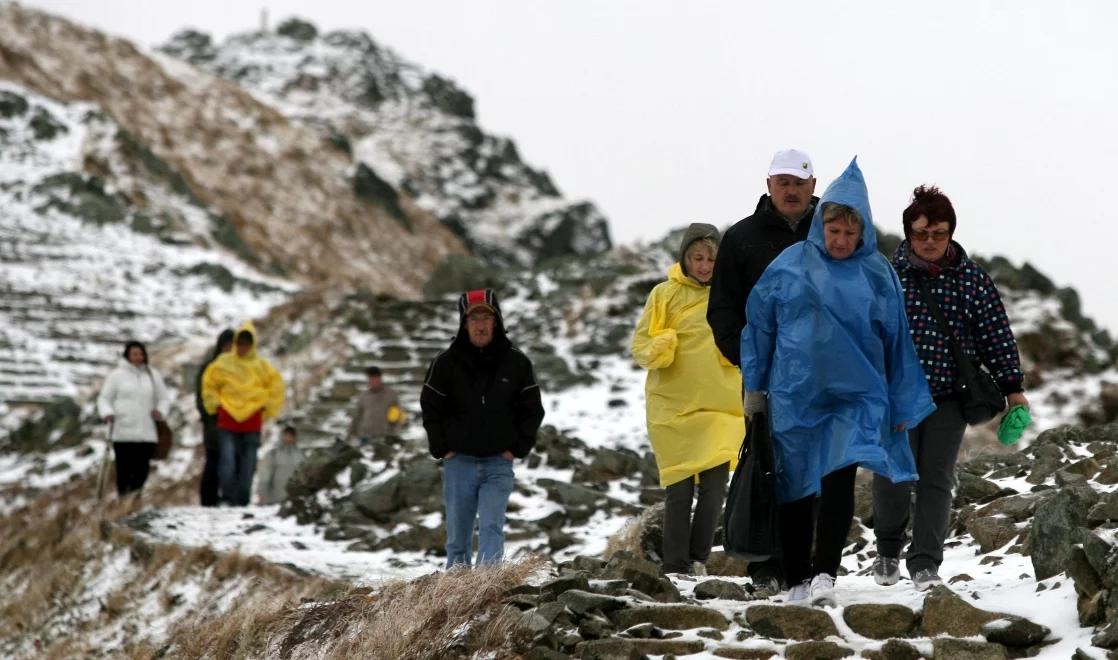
(961, 362)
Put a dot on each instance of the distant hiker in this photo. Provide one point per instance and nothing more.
(131, 400)
(782, 217)
(277, 466)
(377, 413)
(827, 340)
(972, 307)
(481, 409)
(208, 489)
(243, 390)
(692, 401)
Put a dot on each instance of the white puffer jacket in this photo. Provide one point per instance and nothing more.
(129, 394)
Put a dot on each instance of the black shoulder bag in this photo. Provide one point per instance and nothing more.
(981, 398)
(750, 525)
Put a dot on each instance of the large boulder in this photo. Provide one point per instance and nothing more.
(947, 614)
(1058, 526)
(880, 621)
(671, 617)
(790, 622)
(319, 469)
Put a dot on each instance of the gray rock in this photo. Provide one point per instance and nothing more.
(740, 653)
(570, 494)
(671, 617)
(816, 651)
(582, 602)
(959, 649)
(609, 464)
(318, 470)
(895, 649)
(974, 490)
(991, 532)
(595, 627)
(723, 589)
(1105, 510)
(551, 590)
(626, 648)
(1017, 508)
(790, 622)
(1014, 631)
(377, 499)
(880, 621)
(720, 563)
(946, 613)
(1058, 526)
(1079, 569)
(1108, 637)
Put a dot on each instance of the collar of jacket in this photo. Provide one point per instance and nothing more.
(903, 259)
(768, 213)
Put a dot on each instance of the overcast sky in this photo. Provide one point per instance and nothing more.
(666, 113)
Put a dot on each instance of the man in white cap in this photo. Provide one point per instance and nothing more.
(782, 217)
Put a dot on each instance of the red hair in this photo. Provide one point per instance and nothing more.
(929, 202)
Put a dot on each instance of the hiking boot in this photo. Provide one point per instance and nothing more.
(925, 579)
(799, 594)
(823, 591)
(765, 586)
(886, 570)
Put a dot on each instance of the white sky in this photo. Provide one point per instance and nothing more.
(668, 113)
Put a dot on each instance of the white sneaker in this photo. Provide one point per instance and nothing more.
(925, 579)
(799, 594)
(823, 591)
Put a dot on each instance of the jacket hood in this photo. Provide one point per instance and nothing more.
(470, 300)
(250, 327)
(696, 231)
(849, 189)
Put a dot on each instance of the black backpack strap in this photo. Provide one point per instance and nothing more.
(961, 361)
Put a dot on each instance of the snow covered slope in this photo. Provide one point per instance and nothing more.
(414, 129)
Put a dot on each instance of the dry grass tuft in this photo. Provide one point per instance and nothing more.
(628, 538)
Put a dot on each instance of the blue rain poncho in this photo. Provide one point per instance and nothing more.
(828, 339)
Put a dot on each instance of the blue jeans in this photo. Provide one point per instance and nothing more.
(476, 488)
(236, 465)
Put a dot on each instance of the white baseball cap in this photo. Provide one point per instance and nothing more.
(791, 161)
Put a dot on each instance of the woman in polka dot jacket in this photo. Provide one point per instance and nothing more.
(973, 308)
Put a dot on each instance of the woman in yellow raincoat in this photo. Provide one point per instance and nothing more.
(693, 398)
(243, 390)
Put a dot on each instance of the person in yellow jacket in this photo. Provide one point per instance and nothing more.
(693, 402)
(243, 390)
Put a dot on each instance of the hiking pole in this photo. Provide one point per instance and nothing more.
(104, 469)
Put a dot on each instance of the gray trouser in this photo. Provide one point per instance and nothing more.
(688, 538)
(935, 446)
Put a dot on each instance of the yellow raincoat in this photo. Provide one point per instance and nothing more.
(242, 385)
(692, 394)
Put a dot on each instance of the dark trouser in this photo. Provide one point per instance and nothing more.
(133, 460)
(935, 445)
(800, 523)
(237, 465)
(208, 489)
(688, 538)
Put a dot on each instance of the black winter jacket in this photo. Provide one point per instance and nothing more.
(481, 401)
(746, 250)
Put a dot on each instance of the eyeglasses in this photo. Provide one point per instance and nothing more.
(939, 235)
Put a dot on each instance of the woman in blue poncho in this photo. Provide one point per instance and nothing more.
(827, 339)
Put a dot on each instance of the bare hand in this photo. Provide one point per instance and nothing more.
(1018, 399)
(506, 454)
(447, 455)
(899, 427)
(109, 419)
(155, 414)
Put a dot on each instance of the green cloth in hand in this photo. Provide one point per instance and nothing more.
(1013, 425)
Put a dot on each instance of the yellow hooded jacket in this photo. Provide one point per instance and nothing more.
(242, 385)
(692, 394)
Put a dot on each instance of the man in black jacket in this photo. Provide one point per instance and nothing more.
(481, 409)
(782, 218)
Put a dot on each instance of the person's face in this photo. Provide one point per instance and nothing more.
(480, 326)
(226, 346)
(841, 238)
(929, 240)
(243, 348)
(287, 438)
(791, 195)
(136, 356)
(375, 383)
(699, 261)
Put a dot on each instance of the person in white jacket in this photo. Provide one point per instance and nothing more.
(131, 400)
